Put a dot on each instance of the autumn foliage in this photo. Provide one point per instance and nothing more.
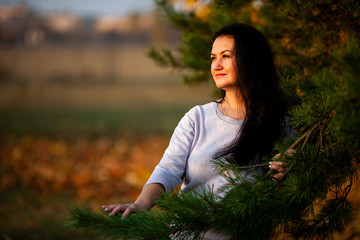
(92, 169)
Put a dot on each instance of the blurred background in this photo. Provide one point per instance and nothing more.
(85, 115)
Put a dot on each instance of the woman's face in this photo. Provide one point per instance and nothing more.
(223, 63)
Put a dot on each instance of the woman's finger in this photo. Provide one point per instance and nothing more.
(278, 163)
(277, 168)
(290, 152)
(278, 175)
(114, 209)
(108, 208)
(118, 208)
(128, 211)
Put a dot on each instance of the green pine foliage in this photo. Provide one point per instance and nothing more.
(317, 49)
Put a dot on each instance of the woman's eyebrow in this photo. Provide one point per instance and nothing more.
(223, 51)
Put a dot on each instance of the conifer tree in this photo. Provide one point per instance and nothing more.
(317, 49)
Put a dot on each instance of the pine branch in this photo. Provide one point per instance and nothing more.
(305, 136)
(144, 225)
(98, 223)
(228, 163)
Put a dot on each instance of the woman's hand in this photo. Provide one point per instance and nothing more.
(144, 202)
(127, 209)
(280, 167)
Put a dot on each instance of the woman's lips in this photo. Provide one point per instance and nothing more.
(220, 74)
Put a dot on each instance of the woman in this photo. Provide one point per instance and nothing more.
(245, 123)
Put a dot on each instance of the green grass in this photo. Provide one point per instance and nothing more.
(93, 122)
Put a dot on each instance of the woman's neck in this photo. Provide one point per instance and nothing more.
(233, 106)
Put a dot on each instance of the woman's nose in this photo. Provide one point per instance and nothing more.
(217, 64)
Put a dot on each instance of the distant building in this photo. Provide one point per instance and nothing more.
(20, 25)
(62, 22)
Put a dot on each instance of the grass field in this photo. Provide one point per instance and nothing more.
(72, 123)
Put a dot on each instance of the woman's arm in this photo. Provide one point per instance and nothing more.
(144, 202)
(168, 174)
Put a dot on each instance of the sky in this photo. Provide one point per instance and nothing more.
(88, 7)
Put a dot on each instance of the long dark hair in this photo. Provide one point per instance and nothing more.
(260, 90)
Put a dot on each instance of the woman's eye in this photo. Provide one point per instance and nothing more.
(226, 56)
(212, 58)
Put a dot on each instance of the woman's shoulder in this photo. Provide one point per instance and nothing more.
(199, 112)
(207, 108)
(196, 115)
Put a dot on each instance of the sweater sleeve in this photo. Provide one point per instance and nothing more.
(171, 169)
